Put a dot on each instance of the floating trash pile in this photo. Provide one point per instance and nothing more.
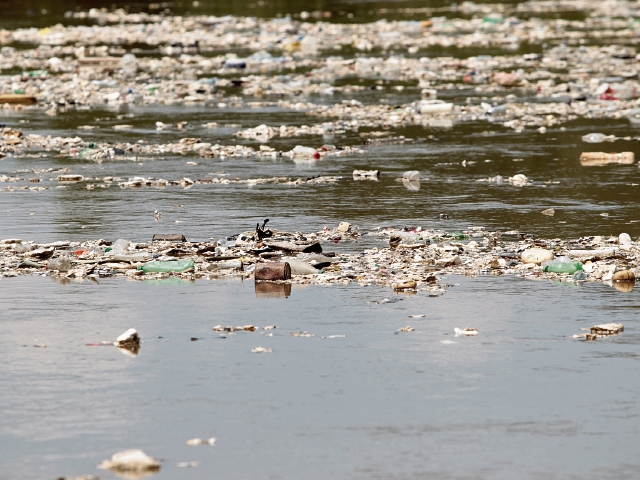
(414, 260)
(14, 142)
(317, 67)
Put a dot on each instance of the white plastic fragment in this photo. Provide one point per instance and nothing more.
(70, 178)
(536, 255)
(366, 174)
(199, 441)
(301, 334)
(130, 461)
(465, 331)
(343, 227)
(261, 350)
(624, 238)
(598, 331)
(597, 254)
(519, 180)
(130, 337)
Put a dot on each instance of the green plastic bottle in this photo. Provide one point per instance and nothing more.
(173, 266)
(562, 267)
(455, 236)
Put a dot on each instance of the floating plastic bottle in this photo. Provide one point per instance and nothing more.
(173, 266)
(597, 138)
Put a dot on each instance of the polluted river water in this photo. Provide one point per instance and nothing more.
(341, 388)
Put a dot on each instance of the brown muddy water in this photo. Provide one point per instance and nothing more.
(520, 400)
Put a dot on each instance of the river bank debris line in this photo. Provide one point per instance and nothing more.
(408, 260)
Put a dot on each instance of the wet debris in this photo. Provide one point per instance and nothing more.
(599, 331)
(129, 339)
(272, 271)
(127, 342)
(187, 464)
(624, 276)
(245, 328)
(405, 285)
(406, 329)
(366, 174)
(465, 331)
(414, 260)
(590, 159)
(82, 477)
(199, 441)
(168, 237)
(261, 350)
(388, 300)
(301, 334)
(131, 461)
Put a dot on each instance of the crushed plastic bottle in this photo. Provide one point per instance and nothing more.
(309, 46)
(129, 64)
(61, 264)
(175, 266)
(412, 175)
(120, 247)
(579, 276)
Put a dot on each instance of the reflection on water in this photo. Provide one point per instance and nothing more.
(272, 290)
(170, 281)
(624, 286)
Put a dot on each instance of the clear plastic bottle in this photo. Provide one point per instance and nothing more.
(120, 247)
(61, 264)
(175, 266)
(129, 64)
(309, 46)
